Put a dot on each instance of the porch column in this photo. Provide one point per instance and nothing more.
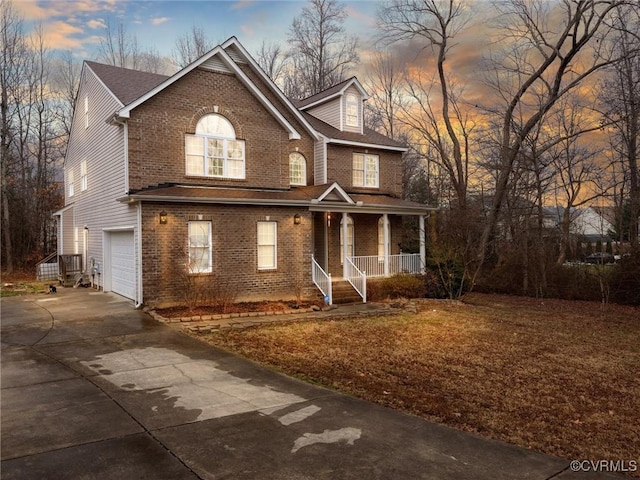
(423, 246)
(385, 229)
(345, 242)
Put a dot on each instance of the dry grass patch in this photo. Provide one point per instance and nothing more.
(556, 376)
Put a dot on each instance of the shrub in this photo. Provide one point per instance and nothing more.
(625, 281)
(400, 285)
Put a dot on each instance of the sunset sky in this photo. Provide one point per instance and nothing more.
(77, 25)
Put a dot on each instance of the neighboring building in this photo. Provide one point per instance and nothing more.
(213, 172)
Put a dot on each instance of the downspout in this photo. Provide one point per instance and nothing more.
(138, 230)
(139, 256)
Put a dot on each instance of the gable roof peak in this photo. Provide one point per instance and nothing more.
(331, 93)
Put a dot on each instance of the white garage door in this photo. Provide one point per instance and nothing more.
(123, 264)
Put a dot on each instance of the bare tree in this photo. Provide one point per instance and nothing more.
(552, 49)
(384, 79)
(579, 171)
(13, 48)
(190, 46)
(65, 82)
(118, 47)
(436, 113)
(620, 97)
(272, 60)
(321, 53)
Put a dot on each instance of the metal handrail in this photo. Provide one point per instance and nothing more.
(357, 279)
(322, 280)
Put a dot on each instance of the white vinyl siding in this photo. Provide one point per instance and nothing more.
(200, 247)
(365, 170)
(102, 144)
(320, 162)
(267, 245)
(329, 113)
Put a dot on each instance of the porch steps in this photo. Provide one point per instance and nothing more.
(343, 293)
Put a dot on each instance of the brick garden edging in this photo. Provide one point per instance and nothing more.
(225, 316)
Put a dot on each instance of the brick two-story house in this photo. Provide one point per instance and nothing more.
(213, 173)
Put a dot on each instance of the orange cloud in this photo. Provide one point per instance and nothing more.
(60, 35)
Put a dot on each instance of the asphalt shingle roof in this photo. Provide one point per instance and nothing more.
(126, 84)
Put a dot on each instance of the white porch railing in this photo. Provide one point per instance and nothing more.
(356, 278)
(322, 280)
(400, 263)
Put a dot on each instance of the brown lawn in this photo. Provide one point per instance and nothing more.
(556, 376)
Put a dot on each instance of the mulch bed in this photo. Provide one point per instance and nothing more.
(240, 307)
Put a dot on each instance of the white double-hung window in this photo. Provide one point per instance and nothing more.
(267, 245)
(214, 151)
(365, 170)
(200, 247)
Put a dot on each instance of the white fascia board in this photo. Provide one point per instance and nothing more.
(371, 209)
(335, 187)
(125, 112)
(354, 81)
(293, 133)
(256, 68)
(366, 145)
(57, 213)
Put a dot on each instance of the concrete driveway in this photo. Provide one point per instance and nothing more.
(92, 388)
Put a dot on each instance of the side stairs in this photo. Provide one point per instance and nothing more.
(343, 292)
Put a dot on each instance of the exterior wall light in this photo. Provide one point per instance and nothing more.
(163, 217)
(297, 219)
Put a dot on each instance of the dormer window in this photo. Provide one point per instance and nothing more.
(352, 110)
(214, 151)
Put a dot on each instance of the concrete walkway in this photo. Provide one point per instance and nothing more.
(93, 389)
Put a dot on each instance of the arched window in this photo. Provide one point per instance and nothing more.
(297, 169)
(352, 110)
(349, 238)
(214, 151)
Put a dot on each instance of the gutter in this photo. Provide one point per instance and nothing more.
(358, 207)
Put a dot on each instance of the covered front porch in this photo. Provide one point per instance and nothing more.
(357, 239)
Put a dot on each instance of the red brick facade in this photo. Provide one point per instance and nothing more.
(156, 154)
(234, 251)
(340, 169)
(157, 131)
